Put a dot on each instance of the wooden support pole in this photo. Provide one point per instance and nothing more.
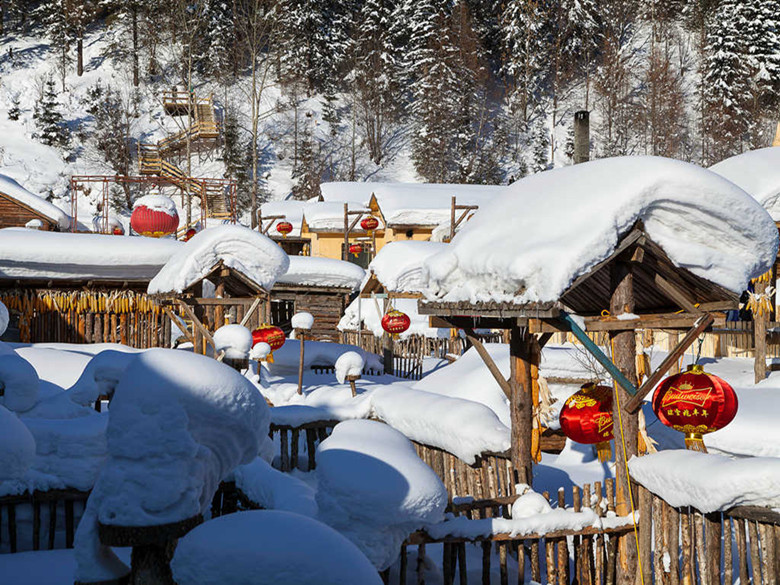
(520, 404)
(345, 251)
(760, 321)
(299, 335)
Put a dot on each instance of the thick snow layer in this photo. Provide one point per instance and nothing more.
(265, 547)
(291, 210)
(374, 489)
(274, 490)
(247, 251)
(329, 216)
(522, 247)
(15, 191)
(709, 482)
(316, 271)
(101, 376)
(302, 320)
(260, 351)
(55, 366)
(399, 265)
(369, 312)
(461, 427)
(17, 446)
(50, 255)
(316, 353)
(3, 318)
(349, 364)
(758, 173)
(157, 202)
(19, 382)
(234, 340)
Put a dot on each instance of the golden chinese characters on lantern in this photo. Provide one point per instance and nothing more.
(270, 334)
(355, 249)
(695, 403)
(586, 418)
(396, 322)
(369, 224)
(284, 228)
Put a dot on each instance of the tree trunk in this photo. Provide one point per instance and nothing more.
(80, 56)
(136, 75)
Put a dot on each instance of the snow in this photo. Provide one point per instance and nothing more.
(524, 248)
(249, 252)
(19, 382)
(316, 353)
(349, 364)
(369, 313)
(291, 210)
(329, 216)
(462, 427)
(17, 446)
(235, 340)
(260, 351)
(709, 482)
(101, 376)
(157, 202)
(399, 265)
(50, 255)
(302, 320)
(3, 318)
(317, 271)
(264, 547)
(273, 490)
(14, 190)
(758, 173)
(374, 489)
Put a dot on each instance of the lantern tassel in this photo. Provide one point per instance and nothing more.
(604, 451)
(695, 442)
(270, 358)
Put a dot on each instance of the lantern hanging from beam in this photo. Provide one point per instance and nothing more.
(369, 224)
(695, 403)
(586, 417)
(284, 228)
(270, 334)
(189, 233)
(355, 249)
(154, 216)
(395, 322)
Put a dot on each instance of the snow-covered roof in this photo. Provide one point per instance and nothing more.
(32, 254)
(316, 271)
(529, 244)
(369, 313)
(411, 204)
(758, 173)
(292, 212)
(14, 190)
(329, 215)
(247, 251)
(399, 265)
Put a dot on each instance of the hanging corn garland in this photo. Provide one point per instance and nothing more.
(79, 302)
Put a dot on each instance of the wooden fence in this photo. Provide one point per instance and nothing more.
(298, 445)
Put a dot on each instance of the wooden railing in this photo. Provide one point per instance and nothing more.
(298, 445)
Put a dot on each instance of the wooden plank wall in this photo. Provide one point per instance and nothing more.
(327, 309)
(13, 214)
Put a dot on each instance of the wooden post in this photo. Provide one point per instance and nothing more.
(387, 346)
(299, 335)
(520, 404)
(345, 251)
(624, 356)
(581, 136)
(452, 219)
(760, 320)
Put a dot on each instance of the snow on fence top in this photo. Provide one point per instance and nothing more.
(249, 252)
(411, 203)
(15, 191)
(545, 230)
(31, 254)
(398, 265)
(292, 212)
(758, 173)
(316, 271)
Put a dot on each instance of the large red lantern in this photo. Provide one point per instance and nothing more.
(395, 322)
(586, 417)
(284, 228)
(154, 216)
(270, 334)
(370, 223)
(695, 403)
(355, 249)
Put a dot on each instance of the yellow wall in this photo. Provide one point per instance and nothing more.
(328, 244)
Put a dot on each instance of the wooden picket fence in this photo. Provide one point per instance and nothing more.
(298, 445)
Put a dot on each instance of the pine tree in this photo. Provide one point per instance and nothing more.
(51, 127)
(14, 112)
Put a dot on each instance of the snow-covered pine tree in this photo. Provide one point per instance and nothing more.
(306, 173)
(54, 16)
(14, 112)
(52, 130)
(235, 155)
(219, 58)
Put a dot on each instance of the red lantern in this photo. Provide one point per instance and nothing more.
(396, 322)
(118, 230)
(695, 403)
(370, 223)
(586, 417)
(189, 233)
(355, 249)
(284, 228)
(270, 334)
(154, 222)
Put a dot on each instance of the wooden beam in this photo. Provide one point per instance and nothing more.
(177, 323)
(521, 404)
(251, 311)
(635, 402)
(676, 295)
(196, 322)
(488, 360)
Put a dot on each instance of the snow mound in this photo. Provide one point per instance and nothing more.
(302, 320)
(522, 247)
(709, 482)
(247, 251)
(17, 446)
(399, 265)
(3, 318)
(348, 364)
(263, 547)
(374, 489)
(316, 271)
(758, 173)
(274, 490)
(317, 353)
(530, 504)
(14, 190)
(461, 427)
(260, 351)
(234, 340)
(101, 376)
(19, 381)
(157, 202)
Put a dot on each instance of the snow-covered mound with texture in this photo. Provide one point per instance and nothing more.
(14, 190)
(316, 353)
(709, 482)
(3, 318)
(51, 255)
(17, 446)
(399, 265)
(235, 340)
(348, 364)
(247, 251)
(264, 547)
(302, 320)
(374, 489)
(547, 229)
(101, 376)
(369, 312)
(292, 211)
(461, 427)
(758, 173)
(316, 271)
(19, 382)
(274, 490)
(157, 202)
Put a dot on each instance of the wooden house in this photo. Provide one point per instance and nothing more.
(21, 208)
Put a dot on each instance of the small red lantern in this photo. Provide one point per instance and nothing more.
(395, 322)
(586, 417)
(118, 230)
(189, 233)
(355, 249)
(695, 403)
(370, 223)
(284, 228)
(270, 334)
(154, 216)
